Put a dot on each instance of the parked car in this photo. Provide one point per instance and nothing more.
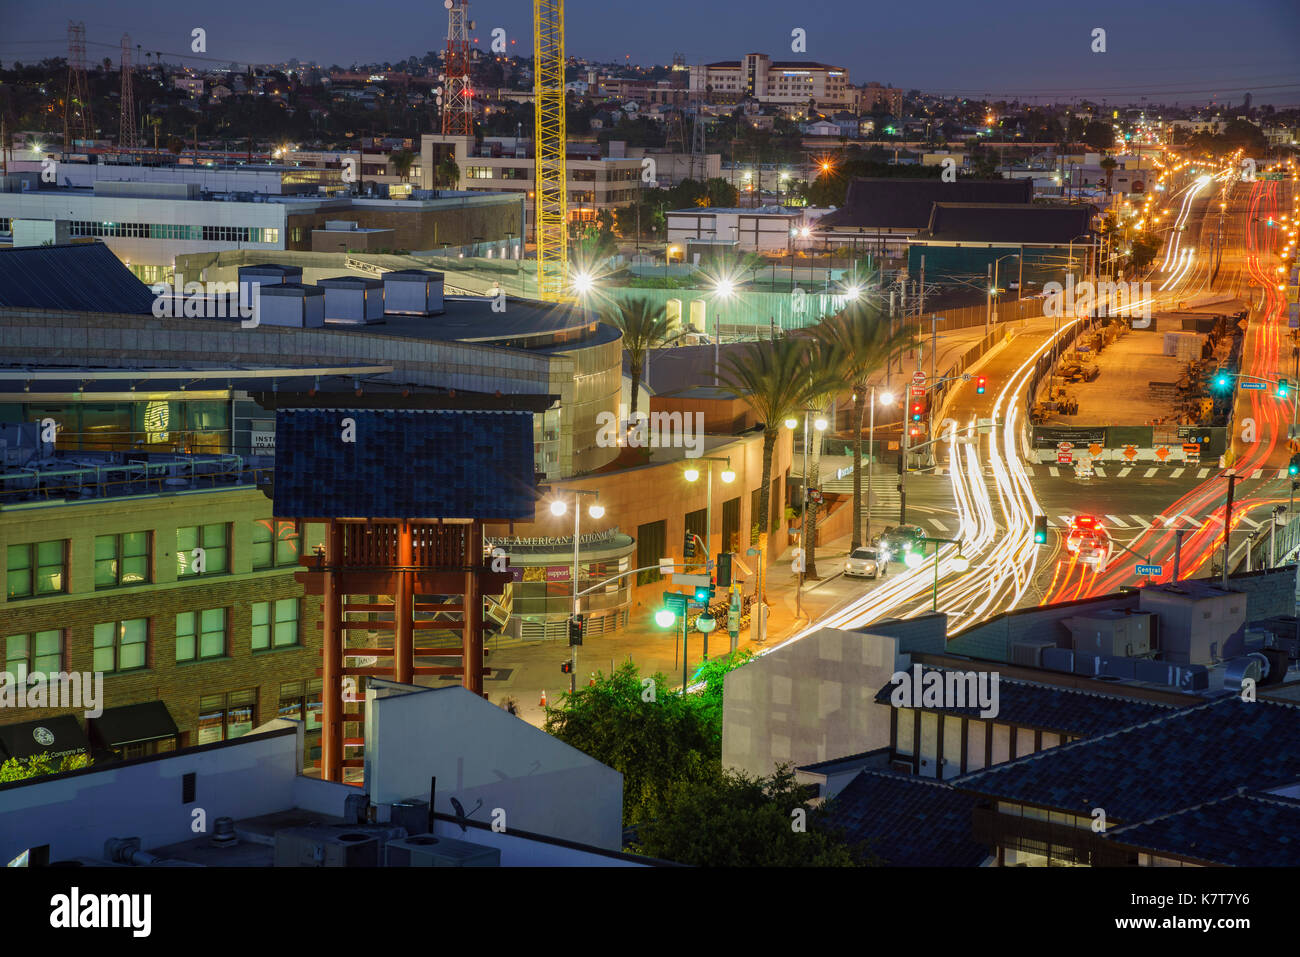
(862, 563)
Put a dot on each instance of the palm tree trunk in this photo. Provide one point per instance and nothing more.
(861, 414)
(765, 506)
(811, 480)
(636, 369)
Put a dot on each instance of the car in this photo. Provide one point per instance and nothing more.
(1081, 527)
(862, 562)
(901, 539)
(1095, 549)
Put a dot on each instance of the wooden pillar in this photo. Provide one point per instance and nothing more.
(404, 608)
(331, 765)
(472, 646)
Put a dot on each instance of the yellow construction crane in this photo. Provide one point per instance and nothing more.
(550, 138)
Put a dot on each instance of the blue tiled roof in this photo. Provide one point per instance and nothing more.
(77, 277)
(908, 821)
(1052, 707)
(404, 464)
(1172, 763)
(1245, 830)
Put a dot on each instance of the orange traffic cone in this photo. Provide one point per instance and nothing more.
(543, 698)
(592, 682)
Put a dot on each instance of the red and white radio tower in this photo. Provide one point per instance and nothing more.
(457, 108)
(128, 137)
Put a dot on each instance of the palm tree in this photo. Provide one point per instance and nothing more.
(863, 343)
(1109, 164)
(827, 356)
(644, 326)
(775, 379)
(402, 161)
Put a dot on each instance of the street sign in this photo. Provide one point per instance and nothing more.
(1252, 385)
(1192, 451)
(1130, 452)
(1063, 453)
(1150, 569)
(692, 580)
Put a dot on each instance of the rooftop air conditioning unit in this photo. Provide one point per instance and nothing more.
(344, 845)
(426, 850)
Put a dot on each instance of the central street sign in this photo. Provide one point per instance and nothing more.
(1252, 385)
(1150, 569)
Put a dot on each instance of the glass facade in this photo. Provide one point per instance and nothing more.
(219, 234)
(158, 425)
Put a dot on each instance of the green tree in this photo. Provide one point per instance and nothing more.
(1099, 135)
(447, 173)
(1144, 247)
(402, 161)
(773, 378)
(730, 819)
(861, 340)
(644, 326)
(655, 737)
(16, 769)
(1108, 164)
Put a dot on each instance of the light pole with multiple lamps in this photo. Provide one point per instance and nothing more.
(692, 474)
(886, 399)
(916, 558)
(820, 425)
(558, 507)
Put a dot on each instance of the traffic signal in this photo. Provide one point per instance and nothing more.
(689, 547)
(575, 630)
(703, 594)
(1040, 529)
(566, 667)
(724, 569)
(1222, 381)
(1281, 388)
(980, 382)
(918, 407)
(1294, 467)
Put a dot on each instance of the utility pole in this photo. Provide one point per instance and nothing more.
(1227, 524)
(1178, 552)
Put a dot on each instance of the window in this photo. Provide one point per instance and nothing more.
(274, 548)
(275, 624)
(201, 634)
(478, 172)
(40, 652)
(37, 568)
(215, 542)
(122, 559)
(225, 716)
(651, 545)
(301, 701)
(121, 645)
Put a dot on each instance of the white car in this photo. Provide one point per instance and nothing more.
(862, 563)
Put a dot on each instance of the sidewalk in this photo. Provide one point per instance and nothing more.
(535, 665)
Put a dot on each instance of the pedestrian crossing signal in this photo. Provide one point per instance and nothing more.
(980, 382)
(1040, 529)
(1281, 388)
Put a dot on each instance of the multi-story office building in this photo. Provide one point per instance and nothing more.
(780, 82)
(506, 165)
(150, 216)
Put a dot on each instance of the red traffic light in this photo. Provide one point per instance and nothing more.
(980, 382)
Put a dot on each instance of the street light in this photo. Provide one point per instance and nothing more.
(886, 399)
(558, 507)
(692, 474)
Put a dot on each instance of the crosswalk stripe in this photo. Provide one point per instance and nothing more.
(1029, 470)
(939, 525)
(1098, 471)
(1202, 473)
(1053, 471)
(1140, 520)
(1176, 472)
(1114, 520)
(1065, 519)
(1124, 471)
(1281, 473)
(1150, 473)
(1257, 473)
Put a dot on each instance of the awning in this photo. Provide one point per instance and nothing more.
(132, 724)
(56, 737)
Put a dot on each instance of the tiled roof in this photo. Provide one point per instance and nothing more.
(75, 277)
(1051, 707)
(1259, 830)
(1006, 223)
(899, 203)
(1174, 762)
(908, 821)
(404, 464)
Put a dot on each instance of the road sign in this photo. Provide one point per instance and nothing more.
(1192, 451)
(1162, 453)
(1150, 569)
(692, 580)
(1252, 385)
(1094, 449)
(1130, 452)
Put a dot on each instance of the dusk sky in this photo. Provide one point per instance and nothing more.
(1186, 50)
